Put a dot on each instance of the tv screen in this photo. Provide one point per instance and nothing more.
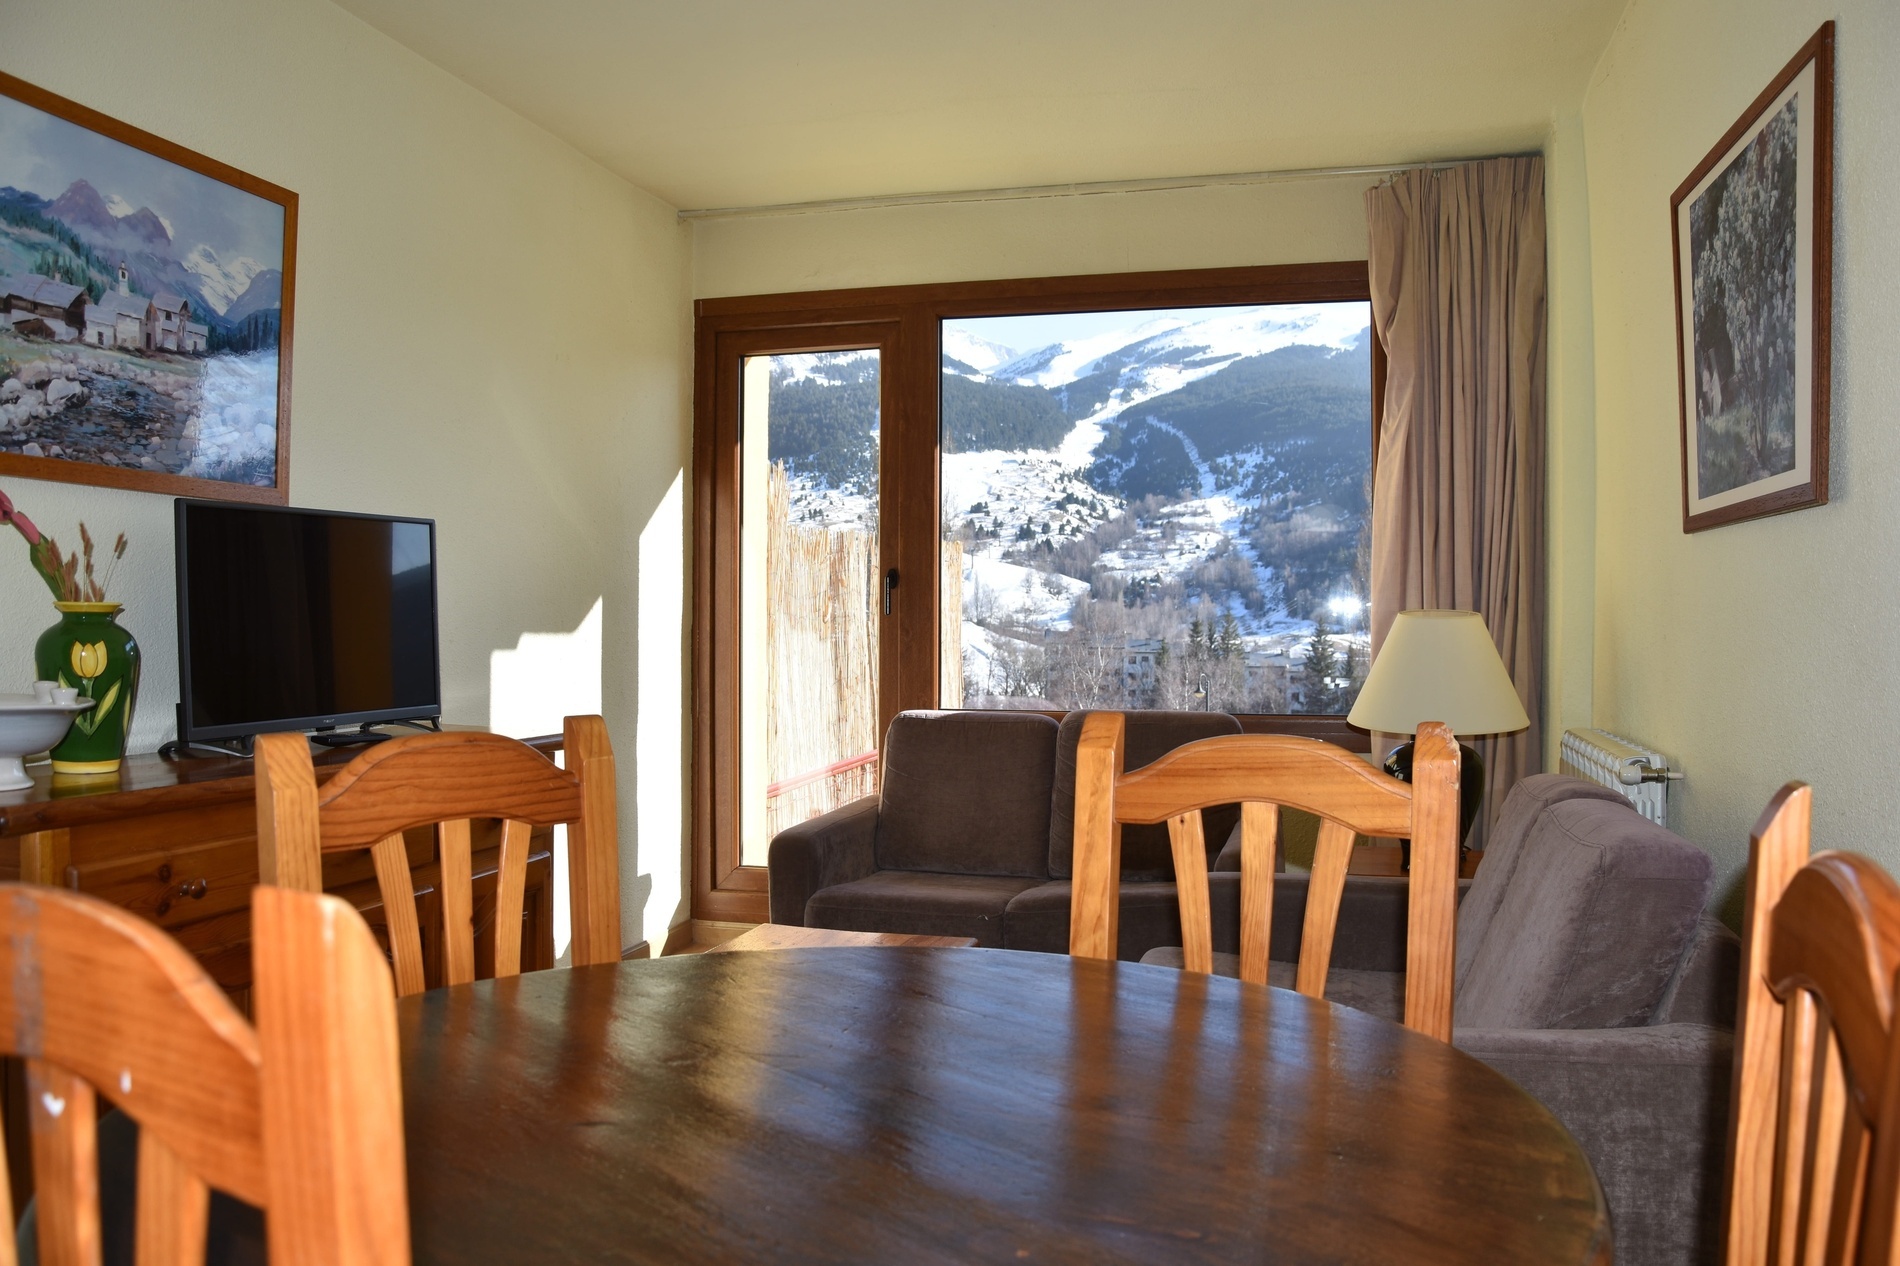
(295, 619)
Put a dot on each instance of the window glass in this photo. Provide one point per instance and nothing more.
(1157, 509)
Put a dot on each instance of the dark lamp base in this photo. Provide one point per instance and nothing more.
(1470, 791)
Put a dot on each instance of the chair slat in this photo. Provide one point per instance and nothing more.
(1845, 1202)
(510, 883)
(1259, 841)
(1826, 1129)
(173, 1207)
(1190, 879)
(63, 1113)
(399, 910)
(1324, 892)
(458, 914)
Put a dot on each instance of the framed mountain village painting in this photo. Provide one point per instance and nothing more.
(145, 301)
(1754, 261)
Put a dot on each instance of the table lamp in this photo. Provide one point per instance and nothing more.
(1440, 666)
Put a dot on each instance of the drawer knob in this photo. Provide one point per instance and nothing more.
(194, 889)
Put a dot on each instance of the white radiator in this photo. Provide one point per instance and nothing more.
(1641, 775)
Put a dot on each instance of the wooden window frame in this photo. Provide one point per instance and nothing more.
(906, 321)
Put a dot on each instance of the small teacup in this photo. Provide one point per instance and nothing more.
(43, 690)
(65, 694)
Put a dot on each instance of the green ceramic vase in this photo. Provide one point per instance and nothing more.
(87, 649)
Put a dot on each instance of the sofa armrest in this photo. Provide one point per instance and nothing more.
(1649, 1107)
(832, 848)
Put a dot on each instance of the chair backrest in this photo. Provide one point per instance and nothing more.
(1262, 772)
(1814, 1149)
(301, 1116)
(444, 780)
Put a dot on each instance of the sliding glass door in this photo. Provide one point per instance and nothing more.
(1087, 492)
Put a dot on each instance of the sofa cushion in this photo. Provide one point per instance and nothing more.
(1529, 798)
(918, 902)
(967, 793)
(1380, 993)
(1150, 735)
(1591, 925)
(1038, 919)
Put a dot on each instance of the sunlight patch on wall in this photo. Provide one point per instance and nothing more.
(659, 738)
(546, 678)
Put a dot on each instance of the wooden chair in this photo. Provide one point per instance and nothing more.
(1814, 1153)
(1262, 772)
(444, 780)
(301, 1116)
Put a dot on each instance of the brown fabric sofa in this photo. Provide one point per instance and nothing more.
(971, 834)
(1588, 973)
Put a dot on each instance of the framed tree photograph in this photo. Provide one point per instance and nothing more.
(1752, 237)
(145, 305)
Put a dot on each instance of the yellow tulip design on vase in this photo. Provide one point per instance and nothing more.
(88, 650)
(89, 661)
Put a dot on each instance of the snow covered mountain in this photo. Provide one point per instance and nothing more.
(975, 354)
(220, 281)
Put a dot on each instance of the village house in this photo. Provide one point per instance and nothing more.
(117, 320)
(42, 307)
(165, 320)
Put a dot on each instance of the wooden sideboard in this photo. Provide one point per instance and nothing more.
(176, 842)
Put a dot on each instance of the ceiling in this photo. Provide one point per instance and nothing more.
(717, 103)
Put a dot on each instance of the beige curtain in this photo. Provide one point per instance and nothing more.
(1457, 263)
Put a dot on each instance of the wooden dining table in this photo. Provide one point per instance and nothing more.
(901, 1106)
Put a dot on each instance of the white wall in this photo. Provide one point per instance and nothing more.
(491, 330)
(1308, 220)
(1768, 650)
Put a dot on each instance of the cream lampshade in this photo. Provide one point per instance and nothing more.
(1440, 666)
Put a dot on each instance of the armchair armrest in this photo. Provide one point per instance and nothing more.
(832, 848)
(1649, 1106)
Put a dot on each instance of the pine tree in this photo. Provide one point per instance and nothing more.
(1321, 671)
(1228, 644)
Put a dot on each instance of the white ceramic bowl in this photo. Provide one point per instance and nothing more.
(28, 726)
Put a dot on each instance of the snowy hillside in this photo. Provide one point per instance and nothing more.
(1166, 509)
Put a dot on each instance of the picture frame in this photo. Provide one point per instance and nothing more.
(1751, 232)
(146, 300)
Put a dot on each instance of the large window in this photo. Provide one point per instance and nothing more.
(1104, 492)
(1158, 509)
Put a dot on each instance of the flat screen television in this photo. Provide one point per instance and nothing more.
(292, 619)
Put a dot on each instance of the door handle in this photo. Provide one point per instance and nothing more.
(890, 583)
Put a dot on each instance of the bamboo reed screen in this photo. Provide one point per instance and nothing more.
(950, 622)
(821, 670)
